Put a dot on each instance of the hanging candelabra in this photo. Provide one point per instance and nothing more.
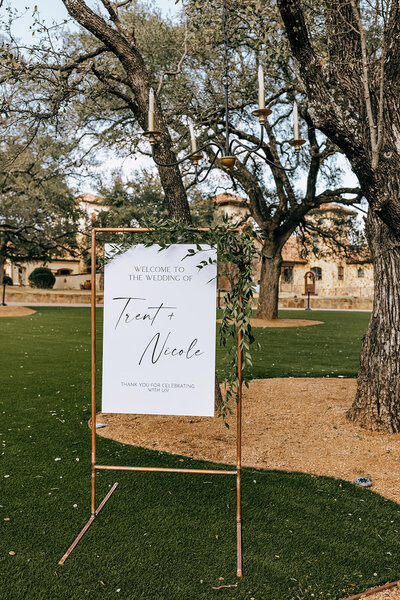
(226, 153)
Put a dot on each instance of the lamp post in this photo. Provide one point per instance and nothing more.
(308, 300)
(226, 154)
(4, 293)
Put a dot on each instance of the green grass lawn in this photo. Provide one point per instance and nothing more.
(170, 537)
(331, 349)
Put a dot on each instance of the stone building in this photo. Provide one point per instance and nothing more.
(324, 273)
(333, 275)
(70, 272)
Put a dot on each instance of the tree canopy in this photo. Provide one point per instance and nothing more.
(39, 218)
(104, 75)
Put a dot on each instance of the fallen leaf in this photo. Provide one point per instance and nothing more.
(12, 553)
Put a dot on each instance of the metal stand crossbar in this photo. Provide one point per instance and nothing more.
(95, 467)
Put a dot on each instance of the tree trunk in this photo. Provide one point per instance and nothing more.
(269, 284)
(377, 402)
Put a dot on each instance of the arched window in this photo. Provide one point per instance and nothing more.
(340, 273)
(360, 272)
(317, 272)
(287, 274)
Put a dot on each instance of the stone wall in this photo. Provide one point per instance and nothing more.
(352, 284)
(29, 296)
(319, 302)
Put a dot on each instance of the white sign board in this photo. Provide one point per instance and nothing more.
(159, 331)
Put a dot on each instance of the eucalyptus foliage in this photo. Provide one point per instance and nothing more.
(236, 251)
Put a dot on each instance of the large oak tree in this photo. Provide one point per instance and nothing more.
(349, 64)
(127, 53)
(277, 203)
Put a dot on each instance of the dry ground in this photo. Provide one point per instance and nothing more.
(15, 311)
(290, 424)
(392, 594)
(281, 322)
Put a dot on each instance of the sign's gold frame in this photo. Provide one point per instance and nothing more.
(95, 467)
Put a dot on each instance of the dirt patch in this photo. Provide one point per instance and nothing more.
(291, 424)
(281, 322)
(391, 594)
(15, 311)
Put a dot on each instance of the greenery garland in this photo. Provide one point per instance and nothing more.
(235, 250)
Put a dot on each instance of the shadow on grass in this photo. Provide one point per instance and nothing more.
(161, 536)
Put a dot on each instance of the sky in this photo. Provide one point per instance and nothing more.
(54, 10)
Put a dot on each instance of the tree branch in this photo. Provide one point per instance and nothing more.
(180, 63)
(365, 83)
(326, 113)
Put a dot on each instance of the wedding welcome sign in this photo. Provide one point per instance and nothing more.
(159, 331)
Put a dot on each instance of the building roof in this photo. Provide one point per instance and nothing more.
(233, 200)
(89, 198)
(359, 256)
(332, 207)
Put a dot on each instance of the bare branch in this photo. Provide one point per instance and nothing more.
(180, 63)
(365, 82)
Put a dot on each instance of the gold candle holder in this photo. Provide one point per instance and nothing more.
(152, 136)
(195, 159)
(262, 114)
(296, 144)
(227, 161)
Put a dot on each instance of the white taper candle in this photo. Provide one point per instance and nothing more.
(261, 92)
(151, 109)
(192, 136)
(296, 134)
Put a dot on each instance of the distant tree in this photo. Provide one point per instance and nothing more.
(132, 203)
(332, 230)
(38, 215)
(202, 208)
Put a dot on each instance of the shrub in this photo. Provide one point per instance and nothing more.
(42, 278)
(7, 280)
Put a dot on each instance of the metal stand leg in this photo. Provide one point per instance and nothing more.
(238, 528)
(88, 524)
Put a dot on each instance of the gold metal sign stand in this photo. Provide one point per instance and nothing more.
(95, 467)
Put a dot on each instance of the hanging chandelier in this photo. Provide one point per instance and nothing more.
(227, 154)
